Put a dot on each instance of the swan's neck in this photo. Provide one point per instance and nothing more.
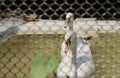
(74, 55)
(71, 26)
(74, 58)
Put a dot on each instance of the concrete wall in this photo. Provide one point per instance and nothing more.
(82, 26)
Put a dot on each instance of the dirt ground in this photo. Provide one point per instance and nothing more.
(17, 53)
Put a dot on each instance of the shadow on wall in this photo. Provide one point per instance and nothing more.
(5, 35)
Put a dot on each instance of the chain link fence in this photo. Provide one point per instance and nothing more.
(99, 9)
(24, 34)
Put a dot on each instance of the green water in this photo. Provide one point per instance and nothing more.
(17, 53)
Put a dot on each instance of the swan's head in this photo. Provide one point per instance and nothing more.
(69, 19)
(70, 40)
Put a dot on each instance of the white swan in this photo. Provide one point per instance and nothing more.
(77, 60)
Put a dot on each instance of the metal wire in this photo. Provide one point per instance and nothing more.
(23, 33)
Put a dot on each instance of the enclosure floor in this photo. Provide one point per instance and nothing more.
(17, 53)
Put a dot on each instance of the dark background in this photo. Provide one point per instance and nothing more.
(56, 9)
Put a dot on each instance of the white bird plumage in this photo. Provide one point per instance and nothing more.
(77, 62)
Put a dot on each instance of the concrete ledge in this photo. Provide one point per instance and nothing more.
(82, 26)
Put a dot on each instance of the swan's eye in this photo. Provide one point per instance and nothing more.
(68, 41)
(67, 20)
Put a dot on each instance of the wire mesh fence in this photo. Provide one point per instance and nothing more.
(56, 9)
(24, 34)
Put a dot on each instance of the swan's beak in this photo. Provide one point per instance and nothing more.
(67, 21)
(67, 45)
